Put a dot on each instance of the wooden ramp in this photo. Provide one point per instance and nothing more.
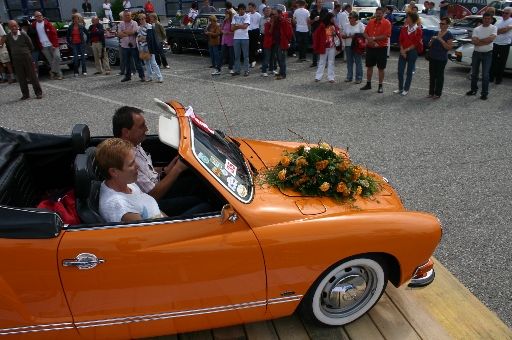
(443, 310)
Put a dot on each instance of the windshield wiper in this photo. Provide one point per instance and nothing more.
(234, 145)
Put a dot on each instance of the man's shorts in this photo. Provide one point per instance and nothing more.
(377, 56)
(4, 55)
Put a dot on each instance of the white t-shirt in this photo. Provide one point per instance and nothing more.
(106, 7)
(263, 21)
(505, 38)
(343, 19)
(261, 8)
(114, 205)
(351, 30)
(301, 16)
(482, 32)
(43, 38)
(127, 5)
(238, 20)
(254, 21)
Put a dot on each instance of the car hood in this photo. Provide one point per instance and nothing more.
(289, 204)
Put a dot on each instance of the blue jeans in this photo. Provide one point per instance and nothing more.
(268, 60)
(281, 54)
(241, 46)
(35, 59)
(227, 49)
(215, 56)
(412, 55)
(151, 64)
(132, 53)
(358, 59)
(160, 57)
(485, 58)
(79, 49)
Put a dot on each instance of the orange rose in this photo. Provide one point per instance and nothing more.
(325, 186)
(282, 175)
(341, 187)
(359, 190)
(356, 172)
(285, 160)
(322, 165)
(343, 165)
(346, 192)
(324, 145)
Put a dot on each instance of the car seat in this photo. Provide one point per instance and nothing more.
(87, 190)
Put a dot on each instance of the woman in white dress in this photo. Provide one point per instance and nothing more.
(107, 7)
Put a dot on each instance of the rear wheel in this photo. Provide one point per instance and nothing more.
(113, 58)
(176, 47)
(346, 291)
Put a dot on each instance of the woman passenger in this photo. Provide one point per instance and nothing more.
(410, 38)
(439, 46)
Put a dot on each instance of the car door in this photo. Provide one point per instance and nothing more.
(163, 277)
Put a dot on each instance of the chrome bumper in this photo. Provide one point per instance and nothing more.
(423, 281)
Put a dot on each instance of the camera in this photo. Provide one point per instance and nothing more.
(130, 45)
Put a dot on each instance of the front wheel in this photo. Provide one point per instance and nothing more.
(176, 47)
(346, 291)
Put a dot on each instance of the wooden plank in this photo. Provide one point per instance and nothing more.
(290, 328)
(416, 314)
(229, 333)
(460, 313)
(324, 333)
(263, 330)
(363, 329)
(390, 322)
(199, 335)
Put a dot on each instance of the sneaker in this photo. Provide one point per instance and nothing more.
(84, 73)
(60, 77)
(76, 74)
(167, 66)
(253, 64)
(294, 55)
(381, 90)
(160, 80)
(231, 71)
(274, 72)
(366, 87)
(397, 91)
(470, 93)
(51, 75)
(264, 75)
(124, 80)
(216, 73)
(119, 74)
(404, 93)
(147, 80)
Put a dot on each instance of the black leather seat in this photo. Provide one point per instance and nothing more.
(87, 191)
(80, 138)
(17, 185)
(94, 171)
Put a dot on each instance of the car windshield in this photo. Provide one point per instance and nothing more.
(89, 14)
(223, 161)
(366, 3)
(429, 21)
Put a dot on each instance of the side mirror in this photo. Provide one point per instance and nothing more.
(228, 214)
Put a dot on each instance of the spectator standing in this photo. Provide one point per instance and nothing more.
(301, 17)
(74, 11)
(409, 41)
(127, 4)
(148, 7)
(315, 16)
(213, 34)
(389, 15)
(107, 8)
(86, 6)
(431, 9)
(376, 34)
(48, 42)
(353, 27)
(5, 59)
(254, 33)
(97, 39)
(282, 34)
(344, 15)
(483, 37)
(324, 45)
(31, 32)
(337, 13)
(293, 43)
(268, 47)
(146, 38)
(439, 47)
(127, 31)
(229, 6)
(20, 47)
(161, 60)
(426, 7)
(443, 8)
(75, 38)
(240, 26)
(262, 7)
(227, 41)
(207, 8)
(501, 46)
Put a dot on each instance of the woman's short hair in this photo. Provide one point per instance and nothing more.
(413, 16)
(142, 16)
(491, 10)
(76, 15)
(412, 3)
(154, 16)
(111, 154)
(213, 18)
(447, 19)
(353, 14)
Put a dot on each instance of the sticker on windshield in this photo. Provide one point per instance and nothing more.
(242, 190)
(230, 167)
(216, 162)
(224, 172)
(203, 158)
(217, 171)
(232, 182)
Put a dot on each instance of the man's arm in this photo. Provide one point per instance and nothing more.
(488, 40)
(504, 29)
(161, 188)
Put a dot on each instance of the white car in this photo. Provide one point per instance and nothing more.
(464, 53)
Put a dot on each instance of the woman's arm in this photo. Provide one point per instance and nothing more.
(131, 217)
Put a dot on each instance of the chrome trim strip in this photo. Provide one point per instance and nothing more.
(145, 223)
(284, 299)
(36, 328)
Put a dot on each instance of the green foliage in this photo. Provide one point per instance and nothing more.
(321, 171)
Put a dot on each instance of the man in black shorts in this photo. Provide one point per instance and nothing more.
(376, 34)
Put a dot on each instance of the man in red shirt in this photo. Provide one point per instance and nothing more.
(148, 6)
(376, 34)
(97, 39)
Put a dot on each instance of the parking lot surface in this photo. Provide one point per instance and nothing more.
(450, 157)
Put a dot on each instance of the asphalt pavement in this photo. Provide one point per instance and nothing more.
(450, 157)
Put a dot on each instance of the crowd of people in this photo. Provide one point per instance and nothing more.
(235, 40)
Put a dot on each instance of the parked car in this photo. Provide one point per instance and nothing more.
(191, 37)
(499, 6)
(463, 56)
(260, 254)
(470, 22)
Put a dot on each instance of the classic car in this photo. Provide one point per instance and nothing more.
(260, 254)
(464, 55)
(191, 36)
(499, 6)
(470, 22)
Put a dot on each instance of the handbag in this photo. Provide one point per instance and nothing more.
(427, 55)
(337, 41)
(144, 54)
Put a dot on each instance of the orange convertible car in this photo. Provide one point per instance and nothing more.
(260, 254)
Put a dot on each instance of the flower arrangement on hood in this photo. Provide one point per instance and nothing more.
(321, 171)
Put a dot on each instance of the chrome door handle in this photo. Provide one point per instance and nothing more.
(83, 261)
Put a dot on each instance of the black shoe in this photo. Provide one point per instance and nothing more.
(313, 65)
(124, 80)
(483, 97)
(498, 81)
(470, 93)
(381, 89)
(235, 74)
(366, 87)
